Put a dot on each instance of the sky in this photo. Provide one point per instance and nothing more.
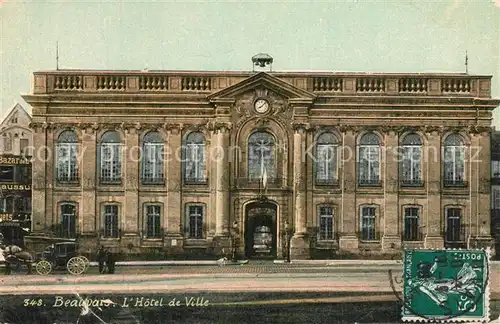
(335, 35)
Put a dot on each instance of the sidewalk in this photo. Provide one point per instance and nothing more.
(330, 263)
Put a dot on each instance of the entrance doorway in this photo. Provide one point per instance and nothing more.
(260, 230)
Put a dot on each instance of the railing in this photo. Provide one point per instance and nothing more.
(368, 235)
(59, 231)
(326, 182)
(411, 183)
(369, 182)
(195, 180)
(455, 235)
(152, 181)
(454, 183)
(430, 84)
(110, 180)
(412, 237)
(74, 178)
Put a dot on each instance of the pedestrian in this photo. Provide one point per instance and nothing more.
(101, 258)
(110, 262)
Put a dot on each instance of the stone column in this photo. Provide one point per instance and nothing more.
(433, 152)
(132, 211)
(222, 203)
(391, 238)
(38, 213)
(174, 214)
(348, 240)
(299, 244)
(88, 165)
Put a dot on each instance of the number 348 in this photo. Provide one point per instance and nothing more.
(32, 302)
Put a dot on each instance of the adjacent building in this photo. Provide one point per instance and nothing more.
(182, 161)
(15, 175)
(495, 189)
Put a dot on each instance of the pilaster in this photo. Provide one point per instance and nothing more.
(432, 227)
(348, 240)
(174, 214)
(38, 213)
(88, 165)
(480, 159)
(132, 212)
(52, 218)
(391, 238)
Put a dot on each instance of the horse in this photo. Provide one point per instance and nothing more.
(14, 255)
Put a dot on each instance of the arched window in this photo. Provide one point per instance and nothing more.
(110, 159)
(67, 218)
(410, 167)
(367, 224)
(454, 161)
(194, 158)
(261, 156)
(369, 160)
(326, 223)
(152, 158)
(66, 160)
(326, 159)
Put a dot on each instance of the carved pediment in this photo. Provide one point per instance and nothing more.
(262, 81)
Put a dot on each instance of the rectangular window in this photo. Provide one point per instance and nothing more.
(110, 221)
(454, 165)
(152, 163)
(368, 223)
(495, 198)
(67, 164)
(7, 173)
(410, 171)
(325, 164)
(153, 219)
(7, 144)
(411, 224)
(368, 165)
(325, 223)
(495, 169)
(195, 221)
(453, 225)
(194, 163)
(110, 162)
(68, 221)
(23, 147)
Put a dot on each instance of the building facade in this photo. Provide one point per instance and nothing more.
(495, 189)
(318, 164)
(15, 175)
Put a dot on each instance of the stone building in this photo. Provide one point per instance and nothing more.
(495, 189)
(333, 163)
(15, 175)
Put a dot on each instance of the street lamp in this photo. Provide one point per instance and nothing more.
(287, 241)
(234, 241)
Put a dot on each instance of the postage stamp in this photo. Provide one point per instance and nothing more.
(446, 285)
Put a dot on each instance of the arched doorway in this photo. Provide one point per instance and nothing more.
(260, 230)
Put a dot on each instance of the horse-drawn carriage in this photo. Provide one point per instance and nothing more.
(59, 255)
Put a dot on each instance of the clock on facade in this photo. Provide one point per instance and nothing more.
(261, 106)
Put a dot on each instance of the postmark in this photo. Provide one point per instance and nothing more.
(445, 285)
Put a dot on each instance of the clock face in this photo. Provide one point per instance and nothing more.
(261, 106)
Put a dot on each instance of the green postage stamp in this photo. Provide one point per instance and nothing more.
(446, 285)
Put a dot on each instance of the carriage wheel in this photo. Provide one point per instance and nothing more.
(76, 265)
(43, 267)
(87, 262)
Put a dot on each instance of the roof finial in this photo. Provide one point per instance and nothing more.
(57, 55)
(466, 62)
